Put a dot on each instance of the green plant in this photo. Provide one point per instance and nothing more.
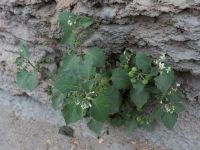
(132, 92)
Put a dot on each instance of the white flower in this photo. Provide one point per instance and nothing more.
(178, 84)
(167, 108)
(170, 92)
(156, 61)
(162, 57)
(70, 22)
(168, 69)
(173, 89)
(161, 66)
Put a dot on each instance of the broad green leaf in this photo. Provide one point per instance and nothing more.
(150, 127)
(117, 121)
(122, 59)
(69, 37)
(130, 126)
(57, 98)
(70, 65)
(113, 98)
(165, 81)
(95, 126)
(179, 107)
(72, 113)
(87, 69)
(27, 80)
(157, 112)
(85, 22)
(139, 95)
(143, 62)
(64, 17)
(24, 50)
(153, 90)
(100, 108)
(154, 72)
(120, 78)
(88, 84)
(69, 61)
(96, 57)
(19, 61)
(74, 65)
(67, 22)
(169, 120)
(67, 83)
(175, 96)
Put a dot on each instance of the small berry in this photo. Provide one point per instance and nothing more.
(133, 81)
(145, 81)
(126, 66)
(131, 74)
(148, 77)
(134, 69)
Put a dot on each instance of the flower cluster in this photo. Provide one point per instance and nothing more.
(169, 108)
(161, 64)
(70, 22)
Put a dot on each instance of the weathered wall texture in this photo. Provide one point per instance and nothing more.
(152, 26)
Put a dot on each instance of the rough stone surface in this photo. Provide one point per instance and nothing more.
(26, 124)
(152, 26)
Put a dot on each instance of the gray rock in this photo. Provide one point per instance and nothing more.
(151, 26)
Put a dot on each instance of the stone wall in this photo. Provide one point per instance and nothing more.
(152, 26)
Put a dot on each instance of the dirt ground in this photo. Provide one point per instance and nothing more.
(27, 125)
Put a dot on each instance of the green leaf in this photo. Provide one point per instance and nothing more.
(150, 127)
(67, 83)
(143, 62)
(117, 121)
(87, 69)
(74, 65)
(24, 50)
(157, 112)
(154, 72)
(100, 108)
(19, 61)
(164, 81)
(179, 107)
(68, 37)
(88, 84)
(63, 20)
(130, 126)
(57, 99)
(95, 126)
(113, 98)
(139, 95)
(153, 90)
(175, 96)
(27, 80)
(96, 57)
(70, 65)
(120, 79)
(85, 22)
(72, 113)
(122, 59)
(169, 120)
